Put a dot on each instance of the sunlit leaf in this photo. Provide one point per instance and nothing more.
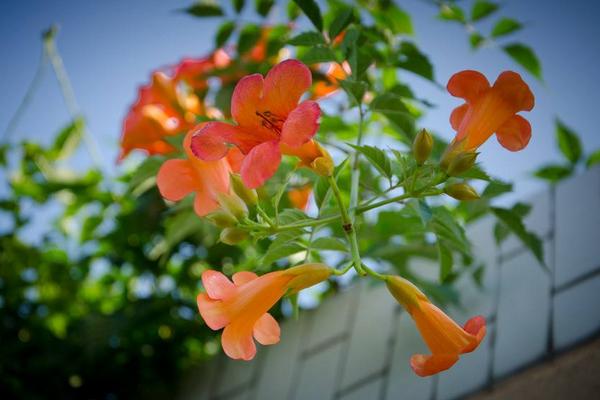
(593, 159)
(451, 12)
(525, 56)
(67, 140)
(377, 158)
(505, 26)
(482, 9)
(317, 55)
(568, 142)
(554, 172)
(312, 11)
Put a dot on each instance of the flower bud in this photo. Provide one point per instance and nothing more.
(307, 275)
(461, 191)
(249, 196)
(232, 204)
(461, 163)
(222, 219)
(422, 146)
(404, 291)
(232, 236)
(323, 165)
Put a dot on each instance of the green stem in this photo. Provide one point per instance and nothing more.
(265, 216)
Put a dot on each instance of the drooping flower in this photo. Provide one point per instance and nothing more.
(488, 110)
(299, 196)
(269, 120)
(177, 178)
(334, 74)
(242, 307)
(444, 337)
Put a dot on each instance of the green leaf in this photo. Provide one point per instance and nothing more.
(203, 10)
(238, 5)
(316, 55)
(356, 89)
(377, 158)
(452, 12)
(89, 227)
(475, 40)
(224, 33)
(341, 21)
(290, 215)
(394, 18)
(411, 59)
(512, 220)
(525, 57)
(482, 9)
(593, 159)
(568, 142)
(446, 261)
(496, 188)
(146, 170)
(263, 6)
(280, 251)
(67, 140)
(312, 11)
(445, 226)
(395, 110)
(249, 36)
(307, 39)
(329, 243)
(554, 173)
(505, 26)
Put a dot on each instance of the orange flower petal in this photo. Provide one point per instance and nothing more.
(458, 115)
(176, 179)
(235, 158)
(299, 197)
(217, 285)
(204, 203)
(515, 91)
(467, 85)
(476, 327)
(260, 164)
(212, 312)
(266, 330)
(238, 343)
(514, 134)
(284, 85)
(301, 124)
(246, 99)
(429, 365)
(242, 277)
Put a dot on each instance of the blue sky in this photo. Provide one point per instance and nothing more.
(110, 47)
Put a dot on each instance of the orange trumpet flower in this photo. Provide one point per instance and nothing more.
(242, 307)
(268, 116)
(444, 337)
(488, 110)
(177, 178)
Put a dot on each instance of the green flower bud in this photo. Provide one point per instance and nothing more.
(232, 236)
(232, 204)
(222, 219)
(249, 196)
(461, 191)
(461, 163)
(422, 146)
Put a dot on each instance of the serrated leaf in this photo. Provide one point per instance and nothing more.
(341, 21)
(307, 39)
(263, 6)
(505, 26)
(482, 9)
(377, 158)
(513, 222)
(525, 57)
(329, 243)
(249, 36)
(202, 10)
(568, 142)
(411, 59)
(278, 252)
(224, 33)
(554, 173)
(593, 159)
(312, 11)
(317, 55)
